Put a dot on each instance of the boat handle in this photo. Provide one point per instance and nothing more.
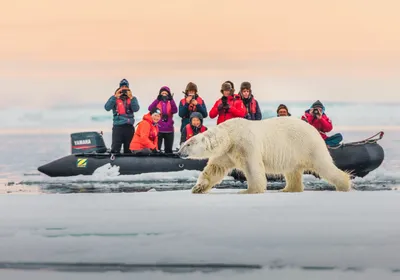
(112, 157)
(181, 165)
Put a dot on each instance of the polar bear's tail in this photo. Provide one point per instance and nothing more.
(328, 170)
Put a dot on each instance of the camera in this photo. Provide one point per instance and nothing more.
(124, 94)
(224, 101)
(315, 111)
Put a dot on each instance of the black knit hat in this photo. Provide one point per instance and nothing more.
(155, 110)
(317, 104)
(124, 82)
(196, 115)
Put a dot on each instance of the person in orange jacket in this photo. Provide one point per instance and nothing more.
(145, 139)
(228, 106)
(194, 127)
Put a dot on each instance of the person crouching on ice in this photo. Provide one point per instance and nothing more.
(145, 139)
(316, 117)
(228, 106)
(194, 127)
(192, 102)
(282, 111)
(253, 111)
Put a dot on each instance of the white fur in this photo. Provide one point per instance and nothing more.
(280, 145)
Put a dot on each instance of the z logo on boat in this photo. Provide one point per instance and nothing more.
(81, 162)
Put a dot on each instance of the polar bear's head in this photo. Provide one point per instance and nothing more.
(211, 143)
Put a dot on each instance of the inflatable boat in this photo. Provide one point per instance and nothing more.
(89, 152)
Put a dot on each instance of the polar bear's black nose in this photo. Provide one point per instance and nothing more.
(182, 154)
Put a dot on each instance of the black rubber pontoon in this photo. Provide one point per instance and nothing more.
(359, 158)
(129, 164)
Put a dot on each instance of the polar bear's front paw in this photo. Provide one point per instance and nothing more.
(199, 188)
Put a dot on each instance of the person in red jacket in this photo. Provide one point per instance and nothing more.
(316, 117)
(194, 127)
(229, 106)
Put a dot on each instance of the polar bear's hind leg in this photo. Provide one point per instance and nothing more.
(256, 178)
(294, 181)
(328, 171)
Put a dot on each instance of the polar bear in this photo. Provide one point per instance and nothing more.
(287, 146)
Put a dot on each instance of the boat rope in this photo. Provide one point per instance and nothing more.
(369, 140)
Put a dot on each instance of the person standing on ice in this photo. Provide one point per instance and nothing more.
(168, 108)
(124, 105)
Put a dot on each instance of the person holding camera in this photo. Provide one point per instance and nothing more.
(145, 139)
(124, 105)
(167, 106)
(228, 106)
(253, 111)
(316, 117)
(192, 102)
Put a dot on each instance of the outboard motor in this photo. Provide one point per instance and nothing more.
(87, 142)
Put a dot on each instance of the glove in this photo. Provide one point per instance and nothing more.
(159, 97)
(169, 97)
(164, 117)
(227, 107)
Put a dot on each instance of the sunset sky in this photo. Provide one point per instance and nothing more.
(75, 52)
